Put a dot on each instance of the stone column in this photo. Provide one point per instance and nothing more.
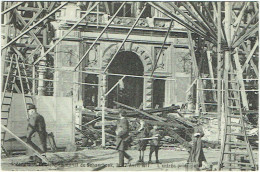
(41, 71)
(102, 87)
(148, 93)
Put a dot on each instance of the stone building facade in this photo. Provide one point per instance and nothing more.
(141, 49)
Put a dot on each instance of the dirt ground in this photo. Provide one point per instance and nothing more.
(106, 160)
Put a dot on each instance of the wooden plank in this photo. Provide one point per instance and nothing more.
(161, 49)
(24, 23)
(211, 73)
(12, 7)
(26, 145)
(142, 112)
(219, 67)
(240, 80)
(250, 55)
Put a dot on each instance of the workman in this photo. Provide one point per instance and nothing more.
(196, 153)
(36, 134)
(154, 143)
(143, 133)
(123, 138)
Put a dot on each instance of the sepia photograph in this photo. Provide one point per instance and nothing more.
(129, 85)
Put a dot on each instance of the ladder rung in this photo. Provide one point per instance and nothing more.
(233, 81)
(239, 163)
(6, 104)
(233, 98)
(233, 90)
(238, 167)
(236, 134)
(234, 116)
(237, 144)
(234, 107)
(7, 97)
(235, 125)
(237, 153)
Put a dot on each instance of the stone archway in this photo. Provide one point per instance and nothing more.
(145, 57)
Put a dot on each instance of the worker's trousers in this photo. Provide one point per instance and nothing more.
(154, 149)
(122, 155)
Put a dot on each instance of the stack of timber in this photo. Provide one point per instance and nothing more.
(175, 127)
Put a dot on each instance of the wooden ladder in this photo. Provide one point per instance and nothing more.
(17, 70)
(235, 154)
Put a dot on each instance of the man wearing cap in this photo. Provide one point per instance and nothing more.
(122, 140)
(36, 133)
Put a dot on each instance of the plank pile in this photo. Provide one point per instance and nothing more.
(174, 127)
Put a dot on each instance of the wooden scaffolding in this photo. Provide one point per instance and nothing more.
(223, 40)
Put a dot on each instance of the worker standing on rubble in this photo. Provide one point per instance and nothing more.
(142, 143)
(196, 153)
(36, 133)
(123, 138)
(154, 143)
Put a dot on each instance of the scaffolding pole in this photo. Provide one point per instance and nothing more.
(161, 49)
(125, 38)
(33, 26)
(105, 28)
(219, 66)
(54, 45)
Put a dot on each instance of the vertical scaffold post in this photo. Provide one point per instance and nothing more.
(103, 104)
(219, 67)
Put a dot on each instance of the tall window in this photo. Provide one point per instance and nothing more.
(126, 11)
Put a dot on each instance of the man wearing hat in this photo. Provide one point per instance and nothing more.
(122, 140)
(36, 133)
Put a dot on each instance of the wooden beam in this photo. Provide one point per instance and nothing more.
(161, 49)
(142, 112)
(238, 21)
(211, 74)
(251, 61)
(121, 45)
(33, 26)
(245, 36)
(24, 23)
(26, 145)
(240, 80)
(11, 8)
(191, 12)
(58, 41)
(105, 28)
(203, 17)
(186, 16)
(219, 67)
(32, 19)
(169, 13)
(250, 55)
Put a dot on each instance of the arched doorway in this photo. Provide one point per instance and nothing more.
(130, 91)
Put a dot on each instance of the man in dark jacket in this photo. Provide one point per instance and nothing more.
(154, 143)
(36, 133)
(122, 140)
